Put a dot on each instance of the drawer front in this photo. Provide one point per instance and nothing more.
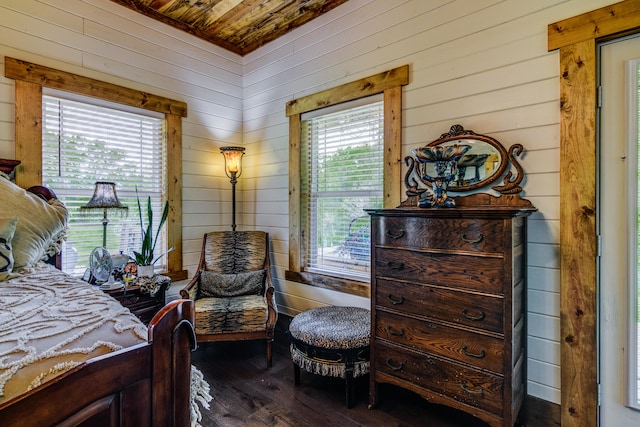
(136, 301)
(484, 274)
(146, 313)
(464, 384)
(478, 311)
(469, 347)
(474, 235)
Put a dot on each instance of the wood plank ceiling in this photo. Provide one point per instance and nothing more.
(240, 26)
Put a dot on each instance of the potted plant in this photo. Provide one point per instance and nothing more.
(145, 258)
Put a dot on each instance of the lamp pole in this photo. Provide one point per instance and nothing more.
(234, 180)
(105, 221)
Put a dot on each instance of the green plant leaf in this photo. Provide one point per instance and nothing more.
(148, 244)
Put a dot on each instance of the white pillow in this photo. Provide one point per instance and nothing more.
(41, 225)
(7, 230)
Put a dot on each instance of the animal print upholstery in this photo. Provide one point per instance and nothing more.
(327, 339)
(232, 285)
(225, 315)
(235, 252)
(332, 327)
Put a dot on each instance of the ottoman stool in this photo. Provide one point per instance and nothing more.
(331, 341)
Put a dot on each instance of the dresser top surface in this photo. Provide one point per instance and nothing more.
(487, 212)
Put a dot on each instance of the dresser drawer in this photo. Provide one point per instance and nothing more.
(469, 347)
(471, 235)
(464, 308)
(478, 273)
(464, 384)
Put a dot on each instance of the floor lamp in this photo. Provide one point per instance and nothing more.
(233, 169)
(104, 197)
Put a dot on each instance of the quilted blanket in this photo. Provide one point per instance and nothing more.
(51, 322)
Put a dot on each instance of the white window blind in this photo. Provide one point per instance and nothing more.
(83, 143)
(341, 175)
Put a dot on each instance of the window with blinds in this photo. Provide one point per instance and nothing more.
(341, 175)
(84, 142)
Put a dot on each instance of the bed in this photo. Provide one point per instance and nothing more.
(69, 353)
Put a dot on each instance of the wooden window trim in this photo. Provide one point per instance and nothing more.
(389, 83)
(577, 38)
(29, 81)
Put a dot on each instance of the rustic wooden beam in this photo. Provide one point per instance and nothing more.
(174, 196)
(393, 147)
(28, 122)
(599, 24)
(294, 192)
(367, 86)
(578, 257)
(578, 38)
(57, 79)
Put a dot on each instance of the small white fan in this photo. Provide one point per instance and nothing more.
(101, 264)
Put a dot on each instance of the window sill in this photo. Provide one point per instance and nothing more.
(176, 275)
(347, 286)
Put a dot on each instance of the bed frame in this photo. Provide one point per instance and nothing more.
(144, 385)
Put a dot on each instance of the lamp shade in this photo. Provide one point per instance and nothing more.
(104, 197)
(232, 160)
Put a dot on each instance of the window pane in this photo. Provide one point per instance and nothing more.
(341, 176)
(85, 143)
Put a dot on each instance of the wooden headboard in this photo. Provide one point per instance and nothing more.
(7, 166)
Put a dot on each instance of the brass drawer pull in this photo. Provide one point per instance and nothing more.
(394, 367)
(466, 314)
(472, 241)
(395, 265)
(397, 235)
(476, 355)
(390, 331)
(395, 301)
(479, 391)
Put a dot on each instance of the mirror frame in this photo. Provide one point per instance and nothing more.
(458, 134)
(416, 185)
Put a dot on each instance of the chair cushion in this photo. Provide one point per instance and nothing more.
(232, 285)
(234, 251)
(226, 315)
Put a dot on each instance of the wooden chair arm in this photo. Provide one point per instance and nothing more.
(272, 311)
(191, 290)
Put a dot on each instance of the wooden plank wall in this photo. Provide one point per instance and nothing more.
(482, 64)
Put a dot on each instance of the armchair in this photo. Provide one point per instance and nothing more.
(232, 290)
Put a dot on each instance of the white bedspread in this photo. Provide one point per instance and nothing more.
(51, 322)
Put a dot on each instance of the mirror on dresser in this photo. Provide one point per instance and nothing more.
(481, 162)
(449, 279)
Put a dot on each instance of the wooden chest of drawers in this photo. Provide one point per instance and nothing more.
(447, 307)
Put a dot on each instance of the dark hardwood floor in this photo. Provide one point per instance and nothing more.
(246, 393)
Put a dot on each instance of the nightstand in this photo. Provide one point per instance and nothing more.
(142, 304)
